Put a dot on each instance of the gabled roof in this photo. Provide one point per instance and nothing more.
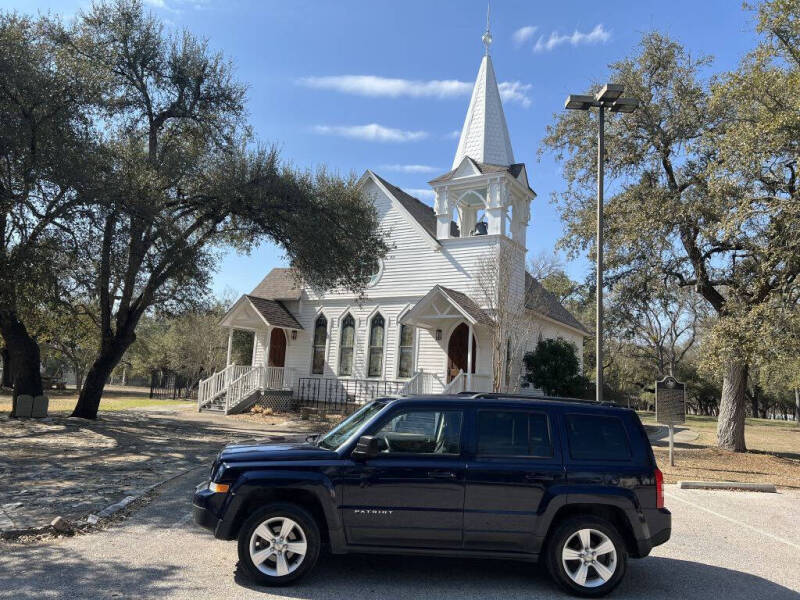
(514, 170)
(538, 299)
(274, 312)
(468, 305)
(281, 283)
(425, 313)
(421, 212)
(484, 136)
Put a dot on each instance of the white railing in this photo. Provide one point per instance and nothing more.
(422, 384)
(214, 386)
(274, 378)
(465, 382)
(456, 385)
(245, 385)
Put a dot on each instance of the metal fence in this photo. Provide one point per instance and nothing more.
(343, 395)
(165, 385)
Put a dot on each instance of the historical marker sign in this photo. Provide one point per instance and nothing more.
(670, 401)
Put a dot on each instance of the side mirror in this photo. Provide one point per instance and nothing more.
(366, 448)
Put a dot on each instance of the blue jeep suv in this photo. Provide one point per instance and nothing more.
(573, 484)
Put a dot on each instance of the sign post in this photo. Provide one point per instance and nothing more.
(670, 407)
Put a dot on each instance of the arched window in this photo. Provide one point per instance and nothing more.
(405, 358)
(346, 344)
(376, 331)
(320, 338)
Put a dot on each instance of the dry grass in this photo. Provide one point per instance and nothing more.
(62, 402)
(773, 454)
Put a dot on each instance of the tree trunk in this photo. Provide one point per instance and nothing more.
(111, 352)
(25, 358)
(78, 368)
(797, 405)
(7, 381)
(730, 423)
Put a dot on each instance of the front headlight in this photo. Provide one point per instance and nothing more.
(219, 488)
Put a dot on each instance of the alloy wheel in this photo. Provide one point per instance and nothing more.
(589, 558)
(278, 546)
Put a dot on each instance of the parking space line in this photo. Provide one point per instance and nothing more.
(732, 520)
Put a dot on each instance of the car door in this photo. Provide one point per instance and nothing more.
(412, 493)
(515, 459)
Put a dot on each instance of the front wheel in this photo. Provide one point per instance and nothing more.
(278, 544)
(587, 556)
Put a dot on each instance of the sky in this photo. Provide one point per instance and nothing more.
(385, 85)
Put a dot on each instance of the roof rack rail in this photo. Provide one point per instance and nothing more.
(500, 395)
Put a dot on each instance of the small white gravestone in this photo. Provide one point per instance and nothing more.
(24, 406)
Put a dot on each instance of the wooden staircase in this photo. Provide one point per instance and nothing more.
(235, 389)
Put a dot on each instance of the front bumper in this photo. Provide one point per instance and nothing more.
(206, 505)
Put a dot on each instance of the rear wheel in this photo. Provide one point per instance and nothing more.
(278, 544)
(587, 556)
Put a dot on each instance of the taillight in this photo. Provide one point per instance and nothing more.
(659, 488)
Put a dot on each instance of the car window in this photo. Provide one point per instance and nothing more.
(344, 430)
(595, 437)
(513, 433)
(422, 432)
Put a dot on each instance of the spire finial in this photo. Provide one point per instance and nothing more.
(487, 35)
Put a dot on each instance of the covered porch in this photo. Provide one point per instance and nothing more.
(462, 331)
(269, 329)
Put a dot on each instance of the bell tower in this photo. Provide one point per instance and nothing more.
(486, 192)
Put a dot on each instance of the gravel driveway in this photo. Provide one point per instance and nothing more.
(725, 545)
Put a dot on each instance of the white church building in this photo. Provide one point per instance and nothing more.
(435, 315)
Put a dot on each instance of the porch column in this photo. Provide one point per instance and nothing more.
(267, 341)
(230, 346)
(469, 359)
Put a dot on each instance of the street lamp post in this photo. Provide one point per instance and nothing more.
(609, 97)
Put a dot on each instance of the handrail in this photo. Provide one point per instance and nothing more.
(456, 385)
(243, 386)
(218, 383)
(422, 384)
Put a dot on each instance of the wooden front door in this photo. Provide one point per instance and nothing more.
(457, 352)
(277, 348)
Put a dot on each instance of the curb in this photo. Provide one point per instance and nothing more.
(728, 485)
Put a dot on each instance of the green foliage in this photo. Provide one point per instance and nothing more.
(554, 367)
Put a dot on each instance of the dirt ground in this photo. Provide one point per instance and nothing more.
(773, 454)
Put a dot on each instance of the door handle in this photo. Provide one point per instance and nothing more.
(441, 474)
(539, 477)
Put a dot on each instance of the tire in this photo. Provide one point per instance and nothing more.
(602, 571)
(260, 537)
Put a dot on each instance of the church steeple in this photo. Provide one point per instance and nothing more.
(484, 137)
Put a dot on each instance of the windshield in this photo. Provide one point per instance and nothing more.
(342, 432)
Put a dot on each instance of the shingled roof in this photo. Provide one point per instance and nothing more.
(539, 299)
(421, 212)
(274, 312)
(279, 284)
(468, 305)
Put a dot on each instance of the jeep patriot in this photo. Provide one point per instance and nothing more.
(572, 484)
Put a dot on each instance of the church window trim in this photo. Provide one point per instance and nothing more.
(347, 353)
(320, 320)
(376, 348)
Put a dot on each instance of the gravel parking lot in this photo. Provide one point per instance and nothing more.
(730, 545)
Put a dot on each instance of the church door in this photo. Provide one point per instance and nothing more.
(277, 348)
(457, 352)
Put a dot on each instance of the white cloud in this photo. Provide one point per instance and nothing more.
(598, 35)
(515, 91)
(372, 85)
(523, 34)
(413, 168)
(387, 87)
(421, 193)
(372, 133)
(156, 3)
(453, 135)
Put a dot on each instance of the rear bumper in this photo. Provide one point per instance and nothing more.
(659, 527)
